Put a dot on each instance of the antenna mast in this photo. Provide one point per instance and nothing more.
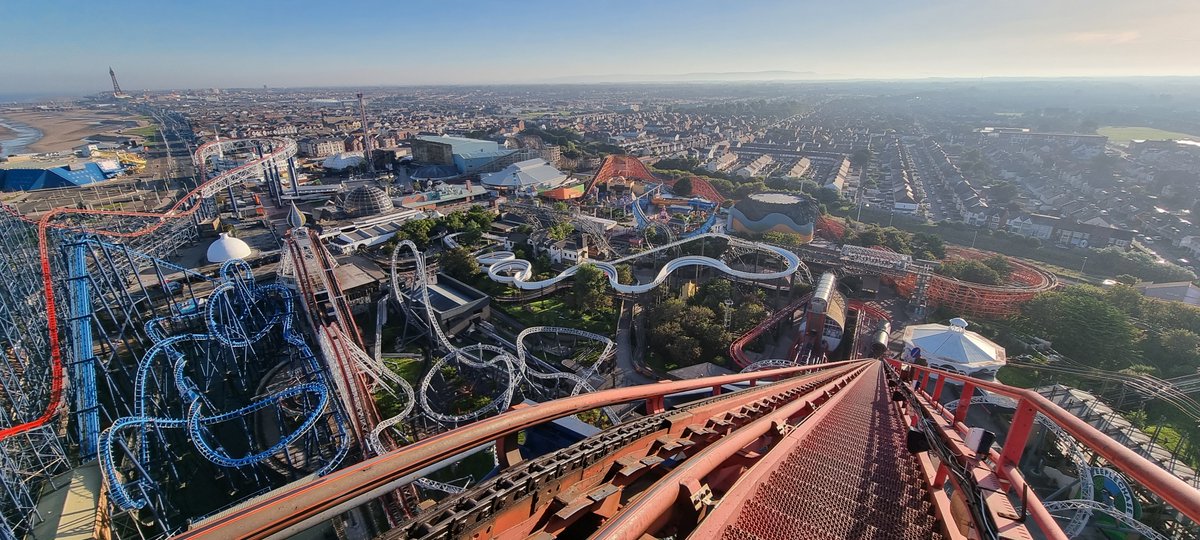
(362, 111)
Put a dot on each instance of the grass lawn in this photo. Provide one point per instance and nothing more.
(1019, 376)
(408, 368)
(144, 131)
(553, 311)
(1124, 134)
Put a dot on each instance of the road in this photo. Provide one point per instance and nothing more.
(624, 373)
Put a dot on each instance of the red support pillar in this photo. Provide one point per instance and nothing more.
(1018, 433)
(964, 402)
(508, 453)
(655, 405)
(937, 389)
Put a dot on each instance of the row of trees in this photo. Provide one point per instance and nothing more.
(572, 142)
(1117, 261)
(471, 223)
(993, 270)
(1117, 329)
(920, 245)
(736, 187)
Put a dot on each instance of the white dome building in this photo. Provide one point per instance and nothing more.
(953, 348)
(227, 247)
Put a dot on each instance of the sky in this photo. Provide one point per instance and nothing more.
(65, 47)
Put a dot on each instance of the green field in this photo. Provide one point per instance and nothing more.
(1124, 134)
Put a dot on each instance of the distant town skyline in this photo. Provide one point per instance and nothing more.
(66, 47)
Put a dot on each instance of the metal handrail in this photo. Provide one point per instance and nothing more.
(294, 508)
(1174, 491)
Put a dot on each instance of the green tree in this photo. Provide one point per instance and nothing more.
(560, 231)
(481, 216)
(726, 187)
(782, 238)
(591, 289)
(683, 187)
(418, 231)
(625, 274)
(749, 188)
(999, 264)
(1002, 193)
(1127, 279)
(1126, 298)
(454, 221)
(471, 234)
(459, 264)
(860, 157)
(1083, 325)
(969, 270)
(928, 246)
(747, 316)
(1177, 352)
(713, 293)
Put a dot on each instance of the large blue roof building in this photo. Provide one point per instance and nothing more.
(467, 156)
(74, 175)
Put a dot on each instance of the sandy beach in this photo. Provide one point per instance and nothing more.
(64, 130)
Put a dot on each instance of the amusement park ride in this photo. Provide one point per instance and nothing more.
(192, 390)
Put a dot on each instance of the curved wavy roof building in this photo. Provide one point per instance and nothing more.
(778, 212)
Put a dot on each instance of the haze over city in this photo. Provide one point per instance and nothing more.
(160, 45)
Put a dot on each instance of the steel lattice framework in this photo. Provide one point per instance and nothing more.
(81, 287)
(513, 374)
(990, 301)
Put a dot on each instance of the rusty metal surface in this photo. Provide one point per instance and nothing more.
(843, 473)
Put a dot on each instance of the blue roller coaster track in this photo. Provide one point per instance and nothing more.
(238, 315)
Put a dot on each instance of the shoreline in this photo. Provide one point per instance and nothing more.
(17, 136)
(62, 131)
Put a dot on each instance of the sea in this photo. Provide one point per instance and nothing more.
(23, 135)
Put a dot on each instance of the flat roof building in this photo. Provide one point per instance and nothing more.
(1178, 291)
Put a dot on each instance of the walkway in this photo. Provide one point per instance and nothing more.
(625, 372)
(846, 475)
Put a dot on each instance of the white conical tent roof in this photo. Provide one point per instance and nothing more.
(953, 346)
(295, 218)
(227, 247)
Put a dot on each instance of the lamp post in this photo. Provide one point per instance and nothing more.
(1082, 266)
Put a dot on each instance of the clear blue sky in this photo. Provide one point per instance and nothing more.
(67, 46)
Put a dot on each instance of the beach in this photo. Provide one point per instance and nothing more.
(64, 130)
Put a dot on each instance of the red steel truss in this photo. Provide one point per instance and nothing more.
(621, 166)
(975, 299)
(820, 453)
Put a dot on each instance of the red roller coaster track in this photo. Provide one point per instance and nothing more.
(44, 224)
(966, 298)
(623, 166)
(700, 188)
(816, 456)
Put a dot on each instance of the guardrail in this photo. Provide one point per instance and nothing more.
(296, 508)
(1029, 404)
